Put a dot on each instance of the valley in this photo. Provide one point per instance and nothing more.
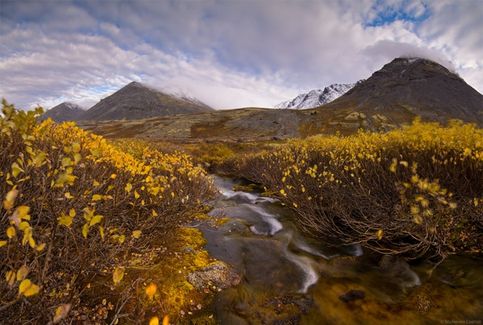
(365, 209)
(223, 162)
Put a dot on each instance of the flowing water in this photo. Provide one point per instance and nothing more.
(290, 279)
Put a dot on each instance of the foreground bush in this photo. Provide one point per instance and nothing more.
(75, 209)
(416, 191)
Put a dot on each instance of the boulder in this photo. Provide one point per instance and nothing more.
(355, 116)
(217, 274)
(398, 268)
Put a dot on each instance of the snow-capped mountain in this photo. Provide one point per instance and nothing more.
(317, 97)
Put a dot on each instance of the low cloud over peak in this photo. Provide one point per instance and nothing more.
(388, 50)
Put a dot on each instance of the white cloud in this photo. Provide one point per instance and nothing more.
(226, 53)
(84, 69)
(389, 49)
(455, 30)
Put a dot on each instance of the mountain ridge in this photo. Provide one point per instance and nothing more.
(379, 103)
(316, 97)
(137, 101)
(66, 111)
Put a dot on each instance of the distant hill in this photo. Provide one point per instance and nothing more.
(64, 112)
(409, 87)
(317, 97)
(137, 101)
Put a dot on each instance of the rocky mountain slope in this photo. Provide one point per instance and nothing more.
(409, 87)
(317, 97)
(137, 101)
(64, 112)
(227, 125)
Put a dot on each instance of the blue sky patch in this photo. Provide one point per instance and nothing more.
(387, 15)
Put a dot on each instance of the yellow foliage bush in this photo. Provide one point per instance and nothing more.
(219, 157)
(75, 206)
(415, 191)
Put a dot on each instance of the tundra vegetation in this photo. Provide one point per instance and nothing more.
(414, 192)
(93, 231)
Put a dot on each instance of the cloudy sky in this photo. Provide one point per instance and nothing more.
(230, 53)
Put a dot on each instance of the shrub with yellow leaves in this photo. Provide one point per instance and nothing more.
(414, 191)
(75, 206)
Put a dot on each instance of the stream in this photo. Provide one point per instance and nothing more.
(290, 279)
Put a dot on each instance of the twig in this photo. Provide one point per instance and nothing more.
(8, 304)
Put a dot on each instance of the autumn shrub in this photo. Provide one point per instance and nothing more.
(220, 157)
(213, 154)
(75, 207)
(415, 192)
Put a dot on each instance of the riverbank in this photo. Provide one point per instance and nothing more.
(289, 278)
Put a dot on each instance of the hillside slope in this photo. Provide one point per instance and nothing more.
(64, 112)
(136, 101)
(407, 87)
(227, 125)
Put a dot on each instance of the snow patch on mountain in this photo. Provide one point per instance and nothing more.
(73, 106)
(317, 97)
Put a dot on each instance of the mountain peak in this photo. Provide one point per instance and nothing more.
(410, 86)
(408, 60)
(70, 105)
(316, 97)
(137, 101)
(135, 84)
(66, 111)
(417, 63)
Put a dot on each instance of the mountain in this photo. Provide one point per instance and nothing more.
(393, 96)
(409, 87)
(64, 112)
(317, 97)
(137, 101)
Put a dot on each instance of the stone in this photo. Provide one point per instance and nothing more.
(302, 302)
(218, 274)
(380, 118)
(355, 116)
(242, 308)
(398, 268)
(352, 295)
